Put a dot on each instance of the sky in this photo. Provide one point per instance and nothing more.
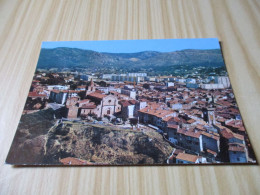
(132, 46)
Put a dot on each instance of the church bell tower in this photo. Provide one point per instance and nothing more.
(209, 115)
(91, 88)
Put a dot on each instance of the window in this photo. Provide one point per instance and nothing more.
(238, 159)
(109, 101)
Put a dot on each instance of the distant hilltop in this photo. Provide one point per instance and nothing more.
(74, 58)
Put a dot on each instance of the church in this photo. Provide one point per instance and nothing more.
(94, 103)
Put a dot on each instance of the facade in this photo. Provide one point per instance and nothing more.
(237, 153)
(105, 104)
(192, 85)
(127, 108)
(212, 86)
(138, 106)
(190, 80)
(84, 77)
(190, 140)
(183, 158)
(59, 97)
(223, 80)
(57, 87)
(107, 76)
(210, 142)
(137, 74)
(176, 106)
(123, 78)
(130, 93)
(170, 84)
(95, 103)
(154, 116)
(72, 112)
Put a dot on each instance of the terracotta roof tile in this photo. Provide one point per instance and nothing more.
(97, 95)
(74, 161)
(35, 94)
(89, 106)
(187, 157)
(210, 135)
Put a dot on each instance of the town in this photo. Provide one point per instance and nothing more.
(197, 115)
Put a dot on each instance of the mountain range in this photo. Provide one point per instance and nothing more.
(74, 58)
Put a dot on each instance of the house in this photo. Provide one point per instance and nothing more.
(210, 141)
(88, 108)
(237, 153)
(183, 158)
(127, 108)
(189, 139)
(172, 158)
(35, 95)
(236, 126)
(59, 97)
(129, 91)
(57, 87)
(235, 144)
(230, 136)
(82, 102)
(154, 115)
(138, 106)
(176, 105)
(172, 133)
(81, 88)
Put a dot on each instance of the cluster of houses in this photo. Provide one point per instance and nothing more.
(203, 125)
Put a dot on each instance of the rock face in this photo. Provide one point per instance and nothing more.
(40, 139)
(30, 138)
(103, 145)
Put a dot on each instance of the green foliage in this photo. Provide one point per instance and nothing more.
(154, 63)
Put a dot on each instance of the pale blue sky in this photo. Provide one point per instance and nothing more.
(132, 46)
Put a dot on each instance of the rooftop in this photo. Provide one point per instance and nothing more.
(187, 157)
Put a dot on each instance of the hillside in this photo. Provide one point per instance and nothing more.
(105, 145)
(39, 140)
(73, 58)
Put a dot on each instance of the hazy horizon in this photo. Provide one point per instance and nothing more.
(137, 46)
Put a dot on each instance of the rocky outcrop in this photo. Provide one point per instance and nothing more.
(30, 138)
(40, 139)
(105, 145)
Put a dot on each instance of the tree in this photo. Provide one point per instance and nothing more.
(82, 95)
(108, 117)
(124, 119)
(73, 86)
(146, 86)
(103, 84)
(133, 122)
(113, 120)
